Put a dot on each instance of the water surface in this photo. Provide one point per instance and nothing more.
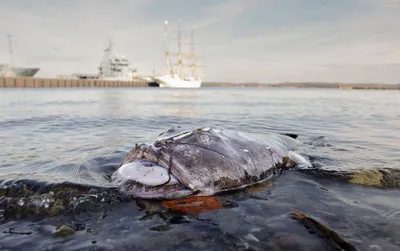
(81, 135)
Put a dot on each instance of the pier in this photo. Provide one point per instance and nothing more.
(28, 82)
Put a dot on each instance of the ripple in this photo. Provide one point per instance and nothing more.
(78, 137)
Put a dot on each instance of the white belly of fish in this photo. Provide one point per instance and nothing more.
(145, 173)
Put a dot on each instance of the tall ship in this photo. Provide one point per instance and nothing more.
(9, 70)
(178, 77)
(113, 66)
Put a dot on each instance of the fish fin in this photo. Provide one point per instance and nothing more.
(292, 135)
(301, 162)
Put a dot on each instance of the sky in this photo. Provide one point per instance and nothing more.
(265, 41)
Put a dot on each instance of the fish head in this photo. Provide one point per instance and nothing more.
(178, 164)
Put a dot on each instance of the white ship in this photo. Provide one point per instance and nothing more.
(115, 67)
(173, 78)
(112, 67)
(8, 70)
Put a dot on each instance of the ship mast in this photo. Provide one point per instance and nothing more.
(181, 72)
(193, 63)
(180, 61)
(10, 49)
(167, 58)
(105, 64)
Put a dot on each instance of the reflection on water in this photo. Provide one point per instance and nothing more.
(81, 135)
(111, 103)
(181, 103)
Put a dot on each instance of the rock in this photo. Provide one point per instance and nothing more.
(64, 231)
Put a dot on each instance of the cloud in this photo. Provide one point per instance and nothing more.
(303, 52)
(383, 3)
(255, 40)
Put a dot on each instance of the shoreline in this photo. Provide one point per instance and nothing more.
(33, 82)
(297, 85)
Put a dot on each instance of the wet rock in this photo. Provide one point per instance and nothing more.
(18, 202)
(13, 231)
(229, 204)
(391, 178)
(161, 228)
(367, 177)
(64, 231)
(80, 226)
(56, 208)
(47, 229)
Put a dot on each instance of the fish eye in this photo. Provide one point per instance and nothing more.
(204, 137)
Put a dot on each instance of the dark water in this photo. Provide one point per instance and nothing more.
(80, 136)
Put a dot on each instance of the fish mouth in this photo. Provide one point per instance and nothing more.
(146, 173)
(145, 152)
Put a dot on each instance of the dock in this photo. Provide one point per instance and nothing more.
(28, 82)
(34, 82)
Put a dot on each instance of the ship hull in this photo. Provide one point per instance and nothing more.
(117, 78)
(176, 82)
(6, 71)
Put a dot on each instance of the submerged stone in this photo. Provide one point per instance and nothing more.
(64, 231)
